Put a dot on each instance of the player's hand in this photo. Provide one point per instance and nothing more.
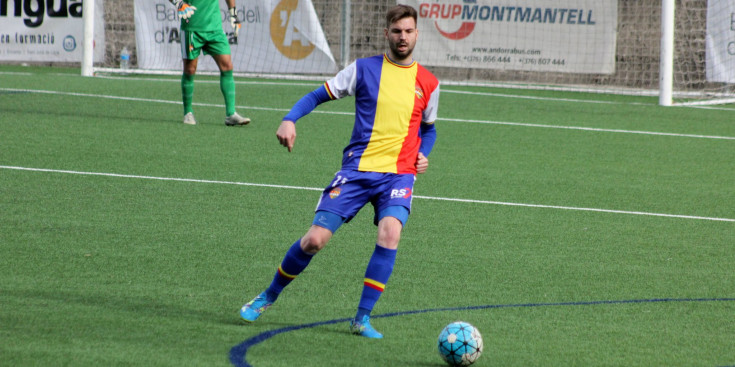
(286, 134)
(185, 10)
(422, 163)
(234, 22)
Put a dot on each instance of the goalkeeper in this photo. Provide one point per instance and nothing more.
(201, 31)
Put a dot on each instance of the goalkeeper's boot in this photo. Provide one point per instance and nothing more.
(236, 120)
(189, 119)
(253, 309)
(363, 328)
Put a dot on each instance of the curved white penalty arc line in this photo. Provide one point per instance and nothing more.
(472, 201)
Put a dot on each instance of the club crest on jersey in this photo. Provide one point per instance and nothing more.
(419, 92)
(400, 193)
(335, 192)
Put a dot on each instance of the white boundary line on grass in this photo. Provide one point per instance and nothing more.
(472, 201)
(595, 129)
(581, 128)
(318, 81)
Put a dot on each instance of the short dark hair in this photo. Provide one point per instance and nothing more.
(399, 12)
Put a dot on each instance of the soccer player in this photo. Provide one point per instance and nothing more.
(396, 102)
(201, 31)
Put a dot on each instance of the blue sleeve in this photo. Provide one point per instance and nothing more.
(428, 138)
(308, 103)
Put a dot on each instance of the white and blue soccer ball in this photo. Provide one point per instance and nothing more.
(460, 344)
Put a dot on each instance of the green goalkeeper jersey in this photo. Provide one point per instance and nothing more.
(206, 18)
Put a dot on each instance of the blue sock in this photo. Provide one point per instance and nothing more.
(295, 261)
(377, 273)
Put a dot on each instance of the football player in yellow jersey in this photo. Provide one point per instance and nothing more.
(396, 102)
(201, 31)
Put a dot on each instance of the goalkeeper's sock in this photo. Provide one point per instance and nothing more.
(227, 85)
(377, 273)
(187, 91)
(295, 261)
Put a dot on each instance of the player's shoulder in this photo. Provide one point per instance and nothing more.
(376, 59)
(426, 74)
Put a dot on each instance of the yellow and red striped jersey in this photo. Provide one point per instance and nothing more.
(391, 102)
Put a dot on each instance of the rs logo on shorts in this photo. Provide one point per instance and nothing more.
(400, 193)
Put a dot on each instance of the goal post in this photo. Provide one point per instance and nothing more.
(680, 51)
(666, 86)
(88, 41)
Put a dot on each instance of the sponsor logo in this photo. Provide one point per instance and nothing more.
(447, 11)
(285, 32)
(400, 193)
(335, 192)
(70, 43)
(33, 11)
(167, 17)
(456, 20)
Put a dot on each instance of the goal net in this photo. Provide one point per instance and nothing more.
(605, 46)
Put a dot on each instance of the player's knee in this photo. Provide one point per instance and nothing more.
(389, 232)
(315, 239)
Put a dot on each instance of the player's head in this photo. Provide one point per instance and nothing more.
(401, 32)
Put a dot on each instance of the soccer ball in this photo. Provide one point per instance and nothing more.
(460, 344)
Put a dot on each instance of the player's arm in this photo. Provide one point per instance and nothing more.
(234, 22)
(185, 10)
(428, 138)
(286, 133)
(427, 131)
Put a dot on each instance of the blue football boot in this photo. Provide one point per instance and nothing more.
(363, 328)
(253, 309)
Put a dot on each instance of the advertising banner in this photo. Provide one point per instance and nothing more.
(47, 31)
(276, 37)
(569, 36)
(720, 42)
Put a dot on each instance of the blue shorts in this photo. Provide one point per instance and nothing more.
(351, 190)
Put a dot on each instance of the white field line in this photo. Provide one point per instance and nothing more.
(581, 128)
(487, 202)
(593, 129)
(317, 82)
(699, 105)
(538, 98)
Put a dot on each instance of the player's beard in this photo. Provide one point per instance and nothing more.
(401, 55)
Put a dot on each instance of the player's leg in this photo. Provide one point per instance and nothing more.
(392, 208)
(219, 48)
(187, 90)
(326, 222)
(379, 269)
(226, 81)
(190, 50)
(297, 258)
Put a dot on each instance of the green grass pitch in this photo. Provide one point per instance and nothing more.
(571, 229)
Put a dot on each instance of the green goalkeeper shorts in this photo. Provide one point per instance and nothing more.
(212, 43)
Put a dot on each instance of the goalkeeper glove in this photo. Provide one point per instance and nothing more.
(234, 22)
(185, 10)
